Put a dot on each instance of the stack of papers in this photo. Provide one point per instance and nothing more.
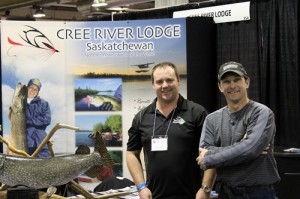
(292, 150)
(124, 193)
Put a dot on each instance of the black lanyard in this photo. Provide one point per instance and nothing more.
(154, 122)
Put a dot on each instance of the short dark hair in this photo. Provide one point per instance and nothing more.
(164, 65)
(83, 149)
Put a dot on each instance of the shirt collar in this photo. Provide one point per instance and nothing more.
(181, 104)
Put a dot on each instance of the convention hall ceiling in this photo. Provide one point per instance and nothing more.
(77, 9)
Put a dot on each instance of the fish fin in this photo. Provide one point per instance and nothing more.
(51, 190)
(4, 187)
(101, 148)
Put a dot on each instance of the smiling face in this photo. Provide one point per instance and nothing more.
(33, 91)
(166, 84)
(234, 88)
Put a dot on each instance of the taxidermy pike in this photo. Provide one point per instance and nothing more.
(18, 118)
(49, 172)
(44, 173)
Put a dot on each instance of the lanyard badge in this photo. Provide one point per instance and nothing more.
(160, 142)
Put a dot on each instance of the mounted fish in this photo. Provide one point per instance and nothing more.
(44, 172)
(17, 115)
(49, 172)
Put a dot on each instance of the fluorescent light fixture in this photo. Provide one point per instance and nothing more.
(39, 12)
(117, 8)
(99, 3)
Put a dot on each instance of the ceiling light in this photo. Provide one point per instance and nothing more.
(39, 12)
(99, 3)
(117, 8)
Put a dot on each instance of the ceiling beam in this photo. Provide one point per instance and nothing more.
(29, 3)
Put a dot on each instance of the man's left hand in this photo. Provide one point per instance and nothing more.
(202, 195)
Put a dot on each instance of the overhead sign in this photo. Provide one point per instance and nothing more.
(221, 14)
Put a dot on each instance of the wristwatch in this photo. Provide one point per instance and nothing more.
(205, 188)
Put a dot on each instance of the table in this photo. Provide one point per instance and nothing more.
(289, 170)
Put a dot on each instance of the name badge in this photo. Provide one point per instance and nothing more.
(159, 143)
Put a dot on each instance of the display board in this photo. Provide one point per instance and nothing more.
(83, 64)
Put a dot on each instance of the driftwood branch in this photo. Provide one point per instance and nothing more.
(50, 134)
(110, 195)
(76, 187)
(12, 148)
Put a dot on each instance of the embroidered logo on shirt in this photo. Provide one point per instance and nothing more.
(178, 120)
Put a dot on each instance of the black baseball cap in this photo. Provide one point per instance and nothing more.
(232, 67)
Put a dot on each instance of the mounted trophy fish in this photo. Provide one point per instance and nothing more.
(43, 173)
(49, 172)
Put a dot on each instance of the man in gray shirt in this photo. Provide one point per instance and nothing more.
(236, 144)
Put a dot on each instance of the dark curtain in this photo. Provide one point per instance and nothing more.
(267, 46)
(201, 62)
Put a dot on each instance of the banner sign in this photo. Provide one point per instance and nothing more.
(95, 75)
(221, 14)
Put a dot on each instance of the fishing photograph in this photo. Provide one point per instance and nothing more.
(98, 94)
(109, 127)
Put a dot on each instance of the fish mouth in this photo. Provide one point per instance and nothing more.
(19, 97)
(18, 89)
(21, 91)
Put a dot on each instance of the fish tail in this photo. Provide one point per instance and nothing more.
(101, 148)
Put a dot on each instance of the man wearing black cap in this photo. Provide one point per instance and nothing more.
(38, 117)
(236, 142)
